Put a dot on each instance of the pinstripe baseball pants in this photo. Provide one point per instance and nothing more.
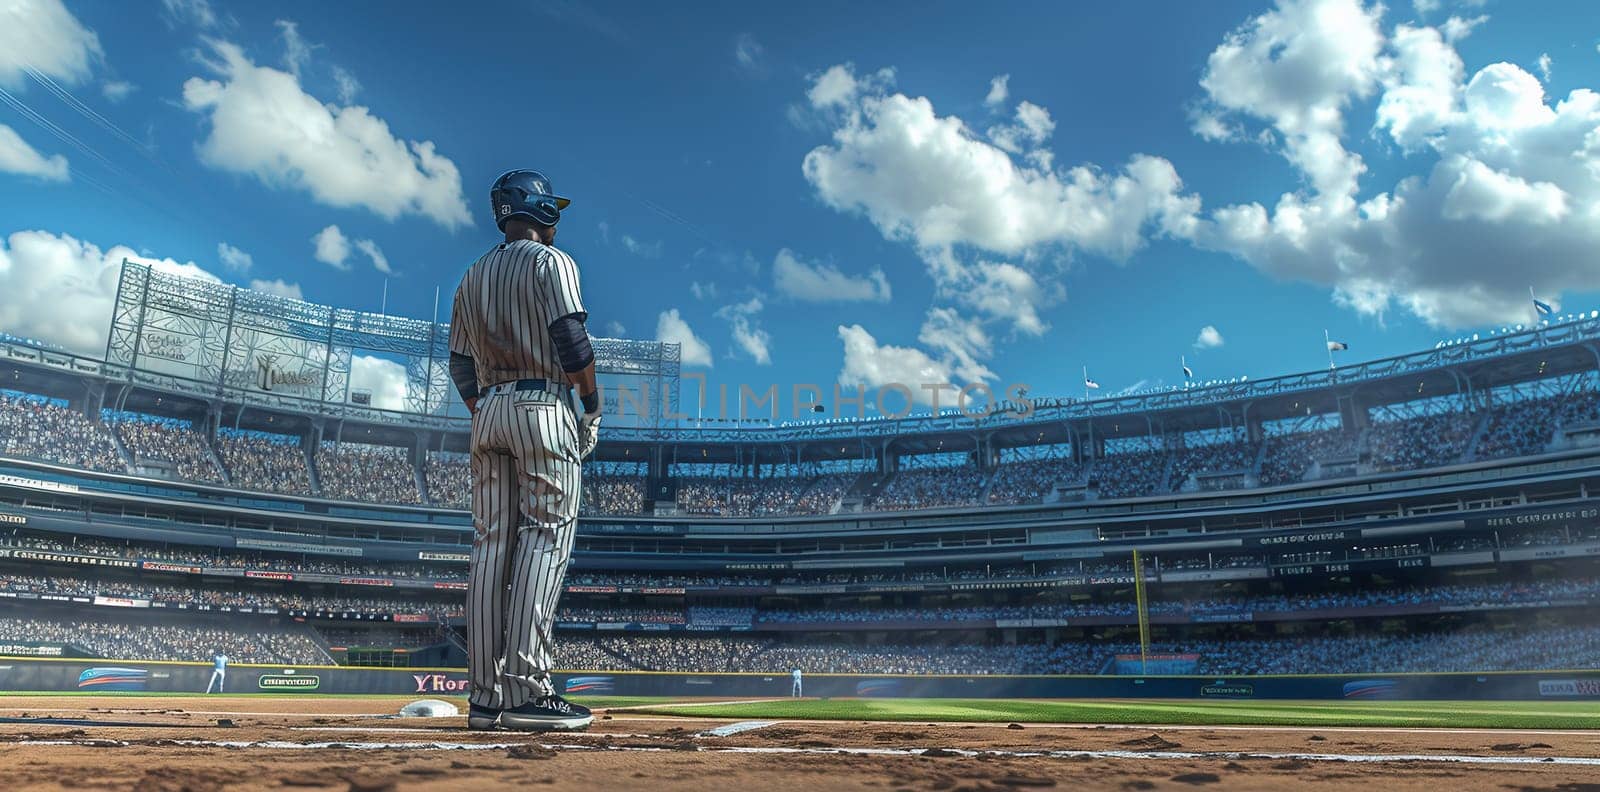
(525, 491)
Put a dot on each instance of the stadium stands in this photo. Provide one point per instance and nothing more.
(154, 441)
(359, 472)
(263, 461)
(111, 637)
(33, 427)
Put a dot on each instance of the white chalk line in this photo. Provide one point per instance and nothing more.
(1157, 726)
(1138, 755)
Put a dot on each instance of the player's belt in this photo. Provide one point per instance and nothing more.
(556, 388)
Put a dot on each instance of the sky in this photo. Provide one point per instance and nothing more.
(831, 193)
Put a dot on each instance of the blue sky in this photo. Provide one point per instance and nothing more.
(830, 193)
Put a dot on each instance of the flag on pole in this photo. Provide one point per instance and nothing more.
(1188, 373)
(1337, 346)
(1089, 383)
(1542, 308)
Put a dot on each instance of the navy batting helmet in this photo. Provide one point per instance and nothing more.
(526, 194)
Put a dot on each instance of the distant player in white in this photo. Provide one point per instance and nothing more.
(796, 677)
(518, 350)
(219, 671)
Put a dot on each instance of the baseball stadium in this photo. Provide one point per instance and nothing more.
(1384, 571)
(1028, 395)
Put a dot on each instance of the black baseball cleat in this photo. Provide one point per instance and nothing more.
(549, 713)
(482, 718)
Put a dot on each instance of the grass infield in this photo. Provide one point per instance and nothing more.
(1419, 714)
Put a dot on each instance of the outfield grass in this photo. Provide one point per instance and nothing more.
(1459, 714)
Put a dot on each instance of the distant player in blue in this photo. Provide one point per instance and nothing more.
(219, 671)
(796, 677)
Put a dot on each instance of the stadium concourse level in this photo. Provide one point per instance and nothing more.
(36, 427)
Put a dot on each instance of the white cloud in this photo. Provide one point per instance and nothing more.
(1508, 197)
(747, 52)
(193, 12)
(999, 90)
(605, 231)
(380, 262)
(671, 328)
(60, 290)
(1208, 338)
(296, 52)
(116, 90)
(332, 247)
(641, 249)
(703, 291)
(263, 123)
(384, 378)
(1544, 66)
(1457, 28)
(43, 35)
(346, 84)
(927, 180)
(747, 334)
(16, 156)
(1425, 6)
(616, 329)
(278, 287)
(234, 259)
(839, 86)
(824, 282)
(1033, 125)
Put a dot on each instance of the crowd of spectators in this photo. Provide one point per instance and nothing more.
(621, 614)
(449, 478)
(1466, 650)
(380, 637)
(169, 441)
(35, 428)
(1527, 426)
(264, 461)
(370, 473)
(930, 488)
(120, 639)
(612, 494)
(1235, 456)
(1032, 480)
(1289, 457)
(1420, 442)
(730, 496)
(1131, 474)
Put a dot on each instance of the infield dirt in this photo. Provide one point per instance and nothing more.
(336, 744)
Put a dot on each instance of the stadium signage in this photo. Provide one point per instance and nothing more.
(69, 558)
(365, 581)
(426, 555)
(37, 484)
(288, 680)
(157, 566)
(32, 650)
(451, 585)
(440, 683)
(1569, 687)
(270, 377)
(121, 602)
(257, 573)
(13, 519)
(297, 547)
(1542, 518)
(167, 347)
(1305, 538)
(1228, 690)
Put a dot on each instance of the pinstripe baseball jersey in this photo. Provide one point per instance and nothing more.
(526, 468)
(504, 307)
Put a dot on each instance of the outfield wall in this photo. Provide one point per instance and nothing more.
(88, 676)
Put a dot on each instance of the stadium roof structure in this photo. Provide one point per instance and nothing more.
(173, 337)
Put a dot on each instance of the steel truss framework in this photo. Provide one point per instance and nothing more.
(216, 340)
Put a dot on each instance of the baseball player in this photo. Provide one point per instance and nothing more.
(795, 693)
(518, 348)
(219, 671)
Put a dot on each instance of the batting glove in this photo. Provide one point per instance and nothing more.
(588, 433)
